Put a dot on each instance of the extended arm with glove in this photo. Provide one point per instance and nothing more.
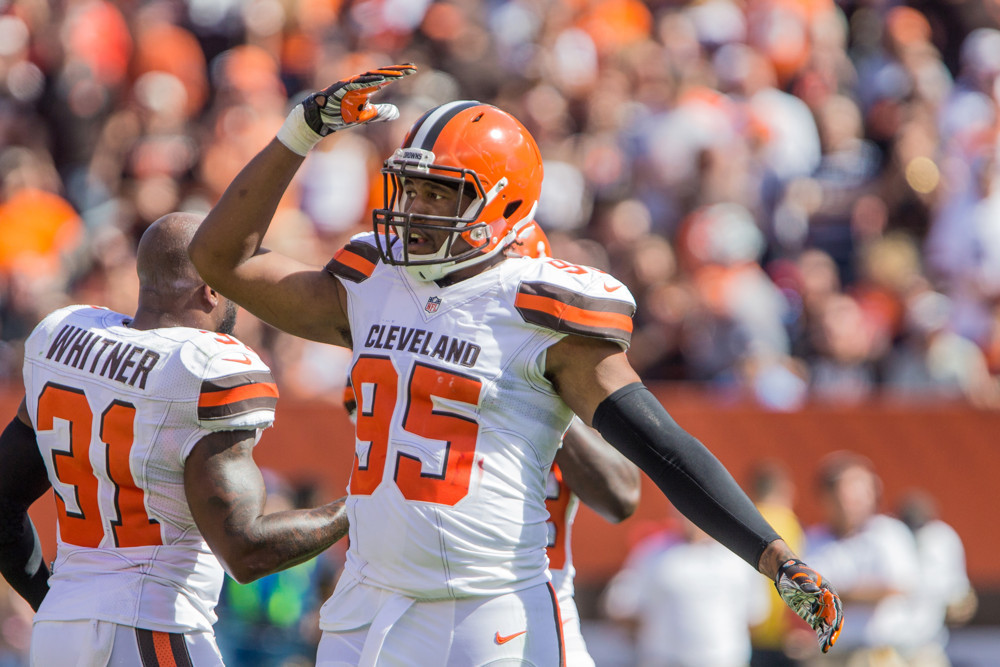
(698, 485)
(813, 599)
(344, 104)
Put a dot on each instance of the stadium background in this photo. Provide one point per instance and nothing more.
(800, 194)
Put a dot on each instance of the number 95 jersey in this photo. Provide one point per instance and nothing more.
(457, 426)
(116, 412)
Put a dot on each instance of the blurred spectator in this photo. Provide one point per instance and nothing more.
(843, 369)
(935, 362)
(668, 595)
(744, 311)
(846, 170)
(872, 557)
(945, 597)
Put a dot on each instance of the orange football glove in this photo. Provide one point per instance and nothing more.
(344, 104)
(813, 599)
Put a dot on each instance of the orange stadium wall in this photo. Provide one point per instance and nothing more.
(952, 451)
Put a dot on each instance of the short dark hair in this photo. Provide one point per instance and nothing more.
(835, 464)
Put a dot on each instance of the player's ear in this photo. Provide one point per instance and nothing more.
(209, 297)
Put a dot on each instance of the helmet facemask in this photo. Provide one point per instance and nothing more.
(394, 224)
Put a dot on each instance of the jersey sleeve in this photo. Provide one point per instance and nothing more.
(237, 392)
(577, 300)
(357, 260)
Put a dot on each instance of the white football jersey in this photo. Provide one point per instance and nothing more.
(117, 411)
(457, 426)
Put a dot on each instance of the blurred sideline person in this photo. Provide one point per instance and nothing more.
(468, 366)
(945, 597)
(144, 427)
(873, 557)
(687, 600)
(772, 489)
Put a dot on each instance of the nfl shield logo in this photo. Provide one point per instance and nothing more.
(432, 304)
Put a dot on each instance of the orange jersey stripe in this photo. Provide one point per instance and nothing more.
(355, 261)
(236, 394)
(164, 652)
(568, 313)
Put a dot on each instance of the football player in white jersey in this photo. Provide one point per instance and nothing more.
(144, 427)
(468, 367)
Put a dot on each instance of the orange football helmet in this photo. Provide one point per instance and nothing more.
(481, 151)
(532, 241)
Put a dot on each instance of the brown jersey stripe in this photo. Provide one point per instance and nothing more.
(162, 649)
(210, 412)
(548, 306)
(236, 380)
(355, 262)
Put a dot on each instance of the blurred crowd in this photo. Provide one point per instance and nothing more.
(799, 193)
(684, 600)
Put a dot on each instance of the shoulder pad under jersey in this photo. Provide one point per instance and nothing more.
(357, 260)
(575, 300)
(237, 389)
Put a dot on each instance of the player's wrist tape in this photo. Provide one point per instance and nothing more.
(296, 134)
(691, 477)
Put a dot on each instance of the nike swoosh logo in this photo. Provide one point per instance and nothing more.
(611, 289)
(244, 360)
(500, 639)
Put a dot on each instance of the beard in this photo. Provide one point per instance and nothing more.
(228, 323)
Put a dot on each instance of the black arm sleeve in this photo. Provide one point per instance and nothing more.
(24, 480)
(690, 476)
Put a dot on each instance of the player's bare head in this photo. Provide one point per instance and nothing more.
(850, 489)
(162, 260)
(171, 292)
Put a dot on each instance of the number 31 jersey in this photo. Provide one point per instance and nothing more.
(116, 412)
(457, 426)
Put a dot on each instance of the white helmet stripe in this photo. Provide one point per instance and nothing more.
(431, 127)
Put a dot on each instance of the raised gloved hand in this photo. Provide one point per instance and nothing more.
(344, 104)
(813, 599)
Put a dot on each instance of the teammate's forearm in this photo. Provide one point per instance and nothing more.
(280, 540)
(599, 474)
(234, 229)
